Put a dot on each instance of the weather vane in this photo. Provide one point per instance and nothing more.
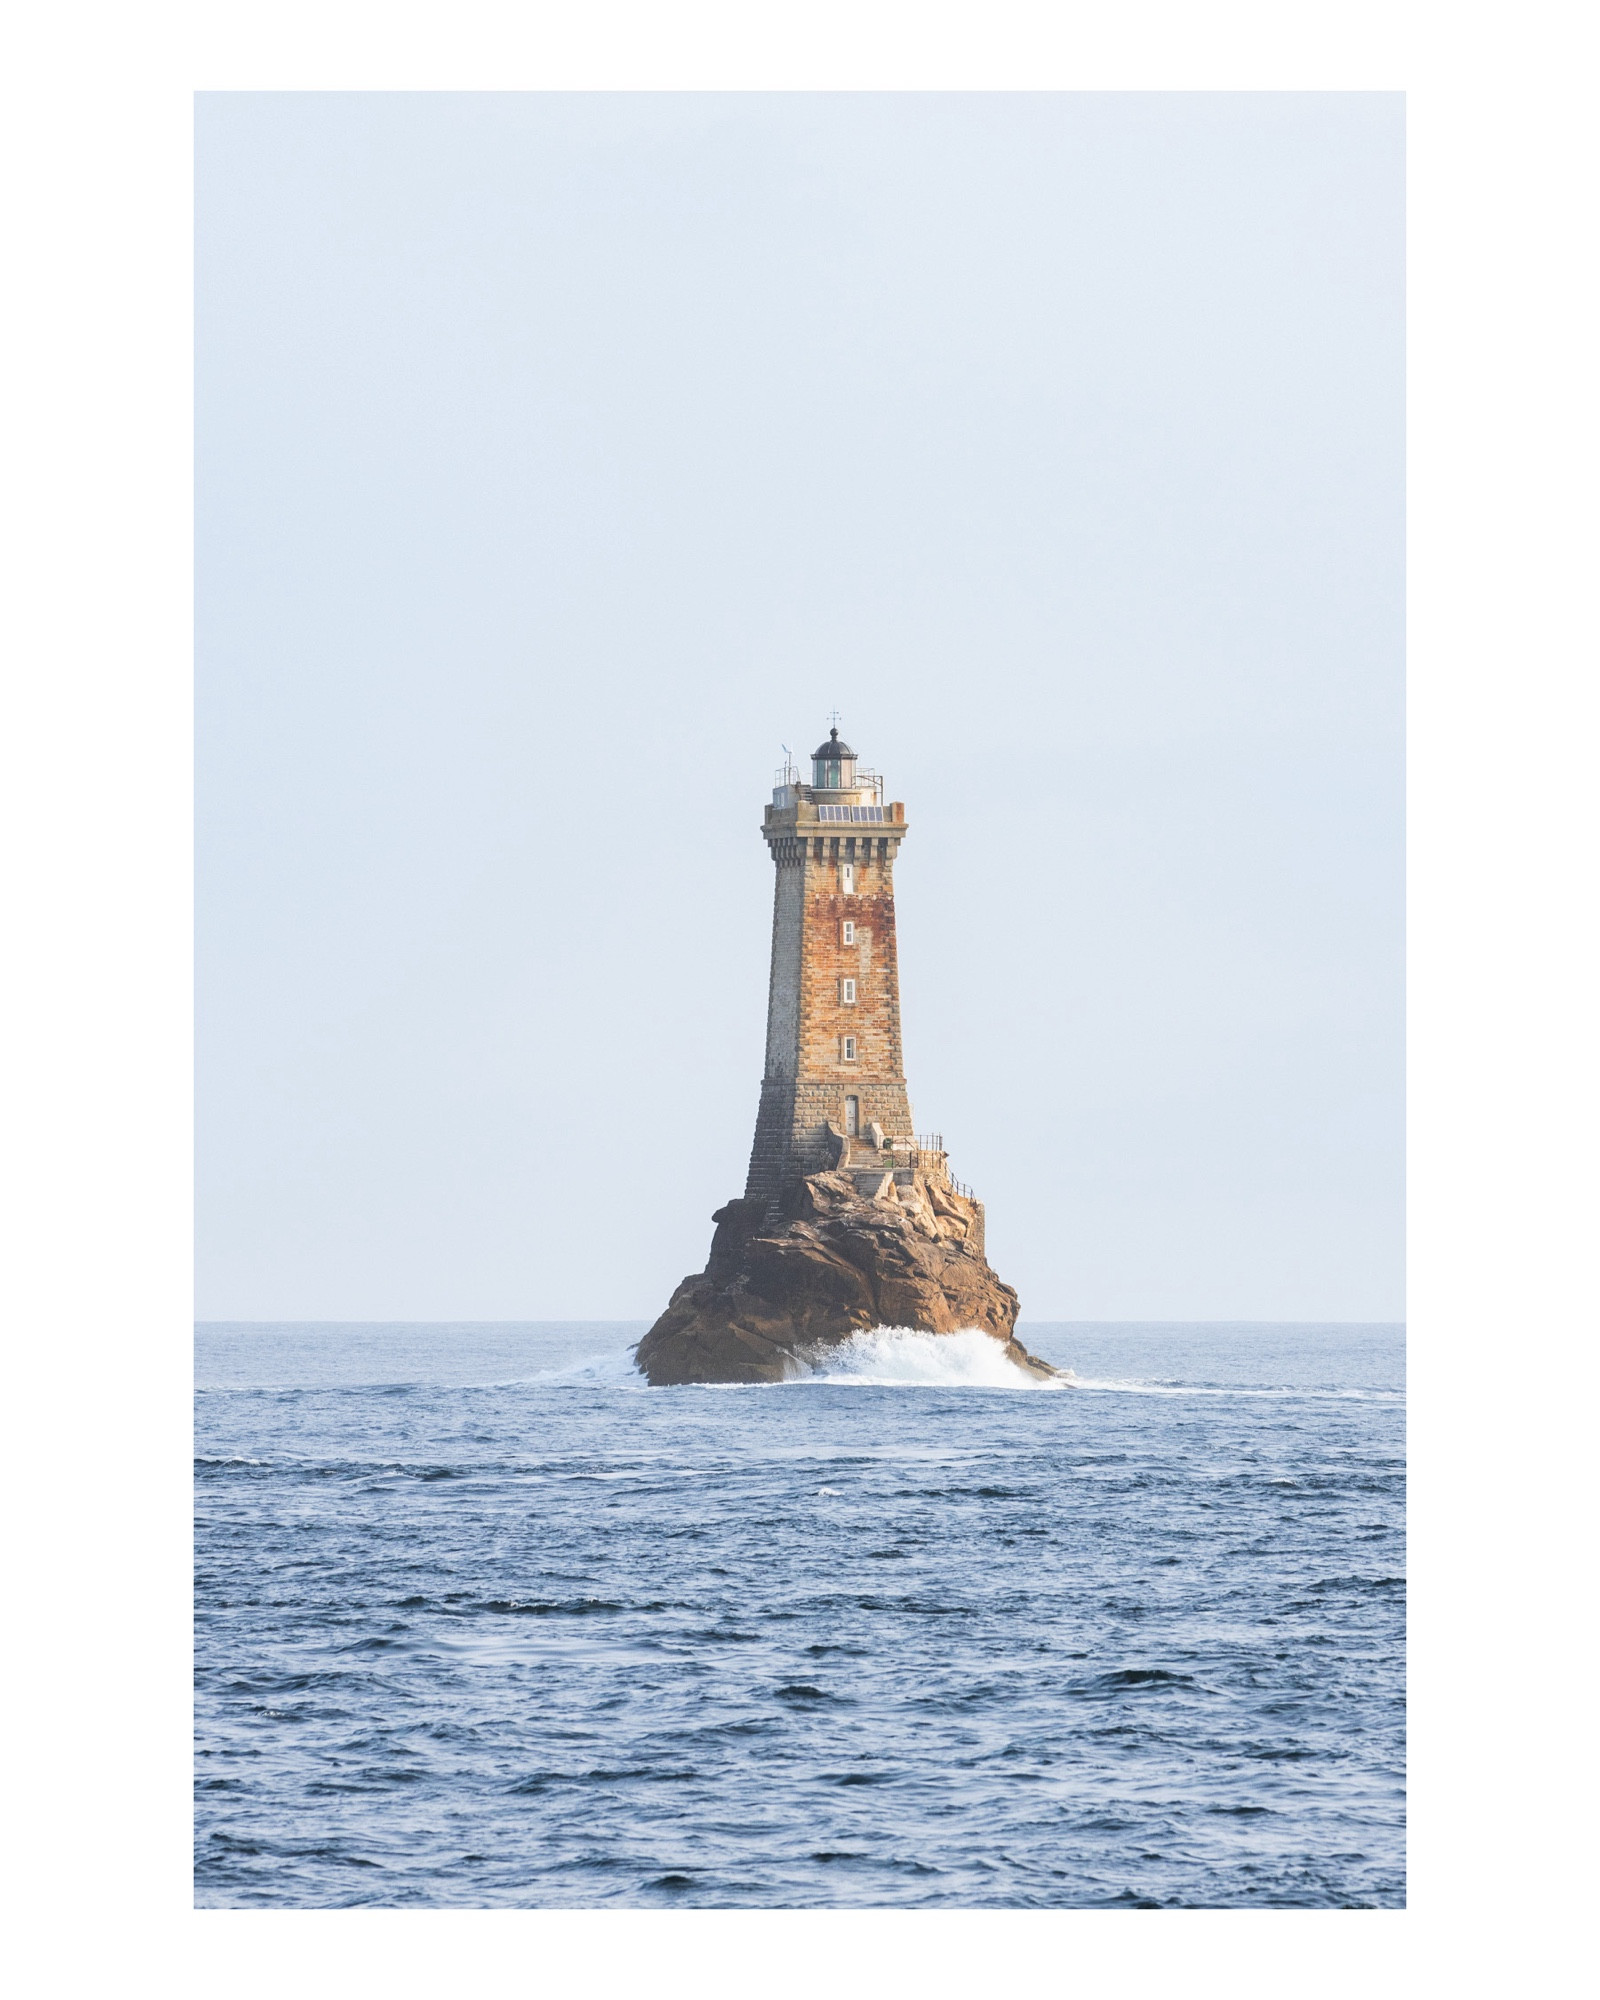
(834, 717)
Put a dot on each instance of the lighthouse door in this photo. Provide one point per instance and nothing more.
(852, 1117)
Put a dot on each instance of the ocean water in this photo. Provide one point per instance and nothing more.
(482, 1621)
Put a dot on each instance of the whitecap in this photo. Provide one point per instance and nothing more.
(901, 1357)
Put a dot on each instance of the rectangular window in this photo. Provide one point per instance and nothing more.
(847, 1048)
(847, 878)
(847, 992)
(847, 932)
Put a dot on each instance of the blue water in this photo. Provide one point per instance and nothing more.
(483, 1621)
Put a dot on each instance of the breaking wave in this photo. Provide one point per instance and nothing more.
(902, 1357)
(613, 1369)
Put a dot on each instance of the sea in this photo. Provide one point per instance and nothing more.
(484, 1622)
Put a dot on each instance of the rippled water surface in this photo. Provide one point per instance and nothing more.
(483, 1621)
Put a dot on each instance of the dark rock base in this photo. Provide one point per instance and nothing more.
(774, 1297)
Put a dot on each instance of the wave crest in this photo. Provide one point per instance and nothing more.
(901, 1357)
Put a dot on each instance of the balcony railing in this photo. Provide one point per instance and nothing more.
(787, 787)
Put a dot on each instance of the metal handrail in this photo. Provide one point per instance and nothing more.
(927, 1149)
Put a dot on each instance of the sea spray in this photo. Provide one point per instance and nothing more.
(902, 1357)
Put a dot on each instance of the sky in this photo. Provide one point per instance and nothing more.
(563, 458)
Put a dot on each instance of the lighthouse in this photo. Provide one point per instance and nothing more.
(849, 1220)
(834, 1065)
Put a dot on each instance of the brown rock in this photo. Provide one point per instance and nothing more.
(776, 1294)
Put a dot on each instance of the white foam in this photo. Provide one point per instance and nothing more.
(615, 1366)
(900, 1357)
(1314, 1395)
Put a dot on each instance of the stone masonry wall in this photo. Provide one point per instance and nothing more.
(874, 1017)
(783, 990)
(808, 1079)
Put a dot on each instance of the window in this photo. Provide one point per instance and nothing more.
(847, 1048)
(847, 992)
(847, 933)
(847, 878)
(852, 1116)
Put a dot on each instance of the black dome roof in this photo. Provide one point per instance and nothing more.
(833, 749)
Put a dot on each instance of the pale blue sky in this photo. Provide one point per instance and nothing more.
(560, 458)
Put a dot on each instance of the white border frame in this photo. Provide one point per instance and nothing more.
(97, 139)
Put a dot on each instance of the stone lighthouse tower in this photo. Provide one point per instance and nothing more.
(848, 1222)
(834, 1065)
